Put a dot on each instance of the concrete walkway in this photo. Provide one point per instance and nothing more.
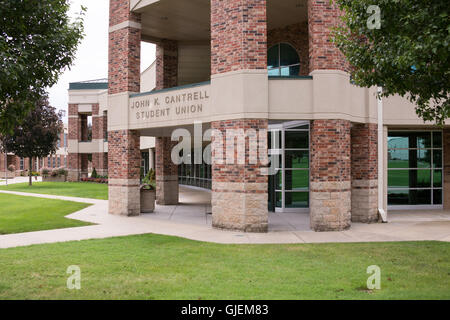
(17, 180)
(191, 220)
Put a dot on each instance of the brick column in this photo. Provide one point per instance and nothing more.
(123, 78)
(167, 191)
(323, 54)
(364, 172)
(73, 137)
(166, 173)
(239, 191)
(330, 177)
(330, 187)
(239, 55)
(446, 173)
(166, 64)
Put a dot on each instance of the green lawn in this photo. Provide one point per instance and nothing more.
(70, 189)
(25, 214)
(162, 267)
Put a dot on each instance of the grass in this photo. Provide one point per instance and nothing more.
(25, 214)
(162, 267)
(70, 189)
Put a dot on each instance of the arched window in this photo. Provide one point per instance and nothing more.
(283, 61)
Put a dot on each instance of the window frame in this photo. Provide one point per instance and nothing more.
(280, 67)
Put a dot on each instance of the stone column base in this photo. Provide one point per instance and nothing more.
(240, 206)
(73, 176)
(330, 206)
(167, 190)
(365, 201)
(124, 197)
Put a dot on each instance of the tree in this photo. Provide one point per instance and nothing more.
(38, 135)
(402, 46)
(37, 42)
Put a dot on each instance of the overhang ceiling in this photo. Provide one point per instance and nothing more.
(189, 20)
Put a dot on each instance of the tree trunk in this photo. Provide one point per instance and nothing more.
(30, 170)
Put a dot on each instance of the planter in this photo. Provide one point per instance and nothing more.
(54, 179)
(148, 198)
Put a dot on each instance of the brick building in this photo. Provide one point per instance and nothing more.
(21, 165)
(263, 67)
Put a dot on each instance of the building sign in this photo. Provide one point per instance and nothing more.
(173, 105)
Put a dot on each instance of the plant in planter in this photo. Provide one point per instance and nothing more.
(148, 192)
(62, 172)
(45, 172)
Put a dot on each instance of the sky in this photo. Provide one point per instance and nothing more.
(92, 56)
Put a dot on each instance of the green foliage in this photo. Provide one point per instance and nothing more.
(408, 55)
(149, 181)
(37, 43)
(94, 174)
(37, 137)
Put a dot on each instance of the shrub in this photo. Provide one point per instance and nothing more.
(45, 172)
(11, 168)
(149, 182)
(35, 174)
(62, 172)
(54, 173)
(94, 174)
(95, 180)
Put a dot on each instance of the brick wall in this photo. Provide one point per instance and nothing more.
(124, 145)
(119, 11)
(297, 36)
(323, 54)
(166, 64)
(330, 174)
(238, 35)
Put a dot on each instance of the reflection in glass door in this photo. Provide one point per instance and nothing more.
(289, 187)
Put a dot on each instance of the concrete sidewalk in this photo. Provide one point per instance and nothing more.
(17, 180)
(191, 220)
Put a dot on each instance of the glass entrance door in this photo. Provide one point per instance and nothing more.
(289, 187)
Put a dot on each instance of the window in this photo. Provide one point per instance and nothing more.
(65, 140)
(198, 175)
(49, 163)
(59, 143)
(65, 161)
(283, 61)
(59, 162)
(414, 168)
(54, 162)
(22, 165)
